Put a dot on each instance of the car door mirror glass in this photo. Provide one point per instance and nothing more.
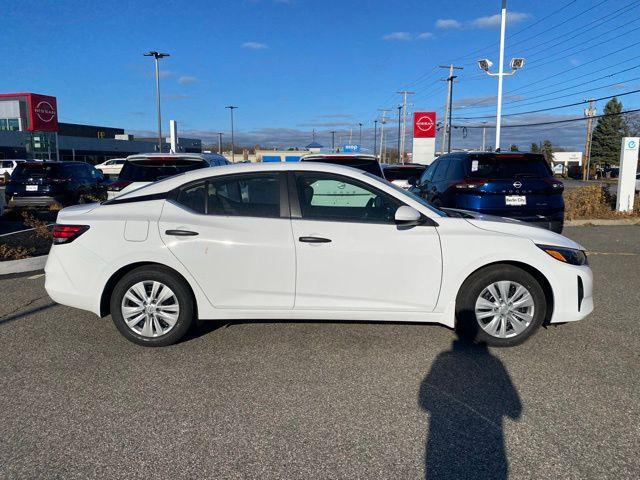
(406, 215)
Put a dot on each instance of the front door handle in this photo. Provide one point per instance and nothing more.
(181, 233)
(314, 240)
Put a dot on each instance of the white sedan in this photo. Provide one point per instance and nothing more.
(308, 241)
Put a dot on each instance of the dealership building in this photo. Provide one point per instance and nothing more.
(29, 128)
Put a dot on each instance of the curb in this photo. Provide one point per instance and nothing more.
(21, 266)
(601, 222)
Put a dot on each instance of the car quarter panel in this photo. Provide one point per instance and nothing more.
(77, 273)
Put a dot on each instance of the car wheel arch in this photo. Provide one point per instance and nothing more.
(105, 298)
(537, 274)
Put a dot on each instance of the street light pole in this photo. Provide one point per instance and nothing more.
(503, 27)
(233, 157)
(157, 56)
(360, 142)
(220, 143)
(333, 141)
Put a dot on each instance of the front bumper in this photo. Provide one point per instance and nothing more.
(573, 293)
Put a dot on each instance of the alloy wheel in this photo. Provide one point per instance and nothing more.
(504, 309)
(150, 308)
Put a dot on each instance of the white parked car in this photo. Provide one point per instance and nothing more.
(8, 165)
(111, 167)
(308, 241)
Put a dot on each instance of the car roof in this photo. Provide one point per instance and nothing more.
(150, 156)
(387, 166)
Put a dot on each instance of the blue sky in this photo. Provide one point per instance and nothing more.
(295, 65)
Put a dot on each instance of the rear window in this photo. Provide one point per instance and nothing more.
(403, 173)
(151, 170)
(42, 170)
(365, 164)
(493, 167)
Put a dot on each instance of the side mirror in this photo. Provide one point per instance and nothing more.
(408, 216)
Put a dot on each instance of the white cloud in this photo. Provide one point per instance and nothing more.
(447, 23)
(402, 36)
(254, 45)
(187, 79)
(494, 20)
(424, 36)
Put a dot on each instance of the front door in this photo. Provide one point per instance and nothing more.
(234, 236)
(352, 256)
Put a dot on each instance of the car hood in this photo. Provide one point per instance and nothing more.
(510, 226)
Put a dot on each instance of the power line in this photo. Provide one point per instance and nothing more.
(552, 108)
(554, 122)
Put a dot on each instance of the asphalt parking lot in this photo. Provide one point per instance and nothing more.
(325, 400)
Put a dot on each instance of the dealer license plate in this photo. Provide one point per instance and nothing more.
(32, 188)
(515, 200)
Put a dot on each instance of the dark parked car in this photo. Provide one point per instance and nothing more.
(367, 163)
(44, 184)
(514, 185)
(403, 174)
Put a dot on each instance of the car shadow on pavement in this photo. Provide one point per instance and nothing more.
(467, 393)
(17, 316)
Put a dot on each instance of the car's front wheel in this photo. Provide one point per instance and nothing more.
(152, 306)
(500, 305)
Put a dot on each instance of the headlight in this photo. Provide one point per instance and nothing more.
(566, 255)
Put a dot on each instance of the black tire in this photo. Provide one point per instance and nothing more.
(468, 326)
(556, 226)
(182, 293)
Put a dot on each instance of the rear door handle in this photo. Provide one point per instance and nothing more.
(314, 240)
(181, 233)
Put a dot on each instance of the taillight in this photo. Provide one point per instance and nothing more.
(117, 186)
(470, 184)
(67, 233)
(557, 185)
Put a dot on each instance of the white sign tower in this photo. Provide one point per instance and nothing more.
(628, 170)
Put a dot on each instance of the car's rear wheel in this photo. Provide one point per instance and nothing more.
(152, 306)
(500, 305)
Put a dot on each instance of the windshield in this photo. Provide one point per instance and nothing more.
(365, 164)
(409, 194)
(157, 169)
(507, 167)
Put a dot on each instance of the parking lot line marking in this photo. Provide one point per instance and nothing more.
(627, 254)
(33, 277)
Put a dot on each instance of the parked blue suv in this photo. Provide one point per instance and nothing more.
(515, 185)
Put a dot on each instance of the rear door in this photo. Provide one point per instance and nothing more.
(233, 233)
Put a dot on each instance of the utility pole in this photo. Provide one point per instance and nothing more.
(586, 164)
(157, 56)
(399, 125)
(446, 135)
(404, 94)
(375, 137)
(360, 142)
(333, 141)
(233, 157)
(220, 143)
(383, 147)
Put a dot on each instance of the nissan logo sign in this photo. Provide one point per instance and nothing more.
(517, 184)
(45, 111)
(424, 124)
